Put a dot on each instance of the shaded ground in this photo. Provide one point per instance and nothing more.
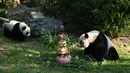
(38, 55)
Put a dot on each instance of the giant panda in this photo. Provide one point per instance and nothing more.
(98, 46)
(16, 30)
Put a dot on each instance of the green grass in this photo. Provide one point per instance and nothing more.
(38, 55)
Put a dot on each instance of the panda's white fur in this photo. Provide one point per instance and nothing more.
(22, 24)
(10, 25)
(110, 43)
(16, 29)
(92, 36)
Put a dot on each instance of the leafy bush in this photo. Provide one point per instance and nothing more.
(8, 3)
(105, 15)
(2, 14)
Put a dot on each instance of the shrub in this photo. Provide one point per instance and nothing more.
(105, 15)
(7, 3)
(2, 14)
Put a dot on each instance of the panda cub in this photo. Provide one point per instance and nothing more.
(16, 30)
(98, 46)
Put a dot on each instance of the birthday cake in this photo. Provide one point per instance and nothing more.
(64, 59)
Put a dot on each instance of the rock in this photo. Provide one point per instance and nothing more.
(21, 13)
(38, 23)
(45, 25)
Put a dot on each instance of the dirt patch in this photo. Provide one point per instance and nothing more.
(3, 49)
(123, 43)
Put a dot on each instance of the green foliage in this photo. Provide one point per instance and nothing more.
(8, 3)
(2, 14)
(108, 16)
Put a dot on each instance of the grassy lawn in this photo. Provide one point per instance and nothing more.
(38, 55)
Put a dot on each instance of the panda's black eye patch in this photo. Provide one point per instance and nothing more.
(81, 42)
(27, 33)
(24, 28)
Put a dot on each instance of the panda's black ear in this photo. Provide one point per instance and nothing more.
(86, 35)
(24, 28)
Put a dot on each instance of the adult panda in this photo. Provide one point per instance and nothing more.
(16, 30)
(98, 46)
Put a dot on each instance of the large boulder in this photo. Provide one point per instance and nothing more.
(21, 13)
(46, 25)
(38, 23)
